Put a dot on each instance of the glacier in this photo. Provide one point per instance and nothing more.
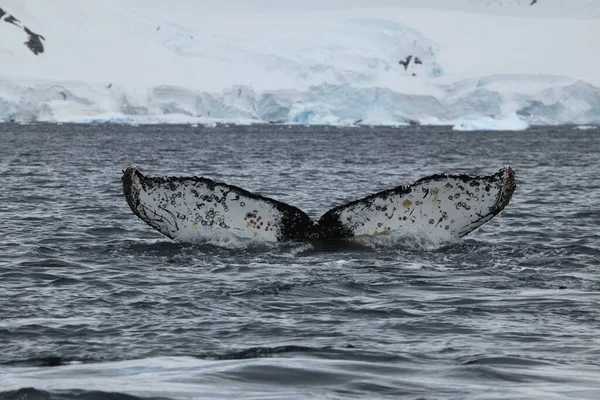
(471, 64)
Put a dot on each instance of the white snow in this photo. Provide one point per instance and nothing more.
(482, 63)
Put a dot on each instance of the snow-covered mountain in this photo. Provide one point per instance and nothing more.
(473, 63)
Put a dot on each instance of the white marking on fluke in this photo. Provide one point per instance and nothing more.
(445, 207)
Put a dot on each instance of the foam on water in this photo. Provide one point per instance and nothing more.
(410, 239)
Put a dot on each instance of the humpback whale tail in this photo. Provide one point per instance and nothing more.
(445, 207)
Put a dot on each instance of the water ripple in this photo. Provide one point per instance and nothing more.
(118, 310)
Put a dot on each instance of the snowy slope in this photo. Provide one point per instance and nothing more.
(304, 62)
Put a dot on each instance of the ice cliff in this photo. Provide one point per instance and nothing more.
(473, 64)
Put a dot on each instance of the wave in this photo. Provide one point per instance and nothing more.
(258, 373)
(35, 394)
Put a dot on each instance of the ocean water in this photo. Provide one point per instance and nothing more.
(96, 304)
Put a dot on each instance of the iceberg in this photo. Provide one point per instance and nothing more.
(511, 122)
(340, 63)
(585, 127)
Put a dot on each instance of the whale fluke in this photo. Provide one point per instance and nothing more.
(445, 207)
(187, 208)
(442, 206)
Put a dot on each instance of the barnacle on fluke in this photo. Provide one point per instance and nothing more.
(443, 206)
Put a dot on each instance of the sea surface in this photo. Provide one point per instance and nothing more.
(95, 304)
